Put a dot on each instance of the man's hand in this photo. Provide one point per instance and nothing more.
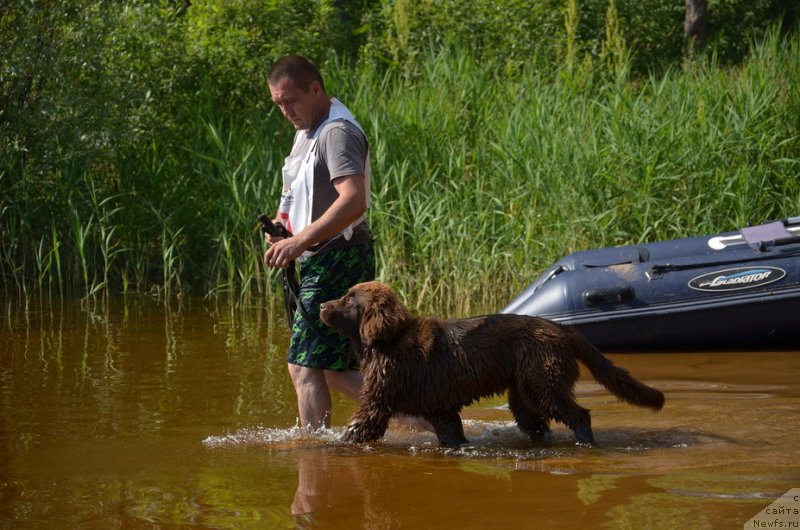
(282, 252)
(348, 207)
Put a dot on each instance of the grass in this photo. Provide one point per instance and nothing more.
(482, 179)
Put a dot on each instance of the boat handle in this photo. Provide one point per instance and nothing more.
(610, 295)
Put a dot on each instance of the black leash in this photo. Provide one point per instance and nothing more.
(291, 287)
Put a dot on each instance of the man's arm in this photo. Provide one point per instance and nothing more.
(349, 206)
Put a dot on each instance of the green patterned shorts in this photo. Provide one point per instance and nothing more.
(324, 277)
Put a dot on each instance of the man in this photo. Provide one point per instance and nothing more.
(326, 186)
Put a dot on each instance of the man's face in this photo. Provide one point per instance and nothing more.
(301, 107)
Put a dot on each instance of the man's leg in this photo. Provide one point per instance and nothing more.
(324, 277)
(349, 384)
(313, 397)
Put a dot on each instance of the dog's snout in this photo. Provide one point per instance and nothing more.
(326, 308)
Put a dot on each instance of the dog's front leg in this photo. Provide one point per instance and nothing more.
(367, 425)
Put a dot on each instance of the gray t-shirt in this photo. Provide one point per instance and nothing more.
(342, 150)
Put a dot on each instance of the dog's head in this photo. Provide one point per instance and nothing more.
(369, 313)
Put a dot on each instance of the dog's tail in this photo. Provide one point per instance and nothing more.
(617, 380)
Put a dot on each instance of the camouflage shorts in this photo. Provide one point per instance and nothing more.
(324, 277)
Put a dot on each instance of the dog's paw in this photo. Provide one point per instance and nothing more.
(539, 434)
(453, 441)
(453, 444)
(349, 436)
(354, 435)
(584, 436)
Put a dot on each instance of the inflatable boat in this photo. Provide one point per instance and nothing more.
(734, 290)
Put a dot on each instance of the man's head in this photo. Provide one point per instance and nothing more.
(297, 88)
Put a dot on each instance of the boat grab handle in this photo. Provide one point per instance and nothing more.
(609, 295)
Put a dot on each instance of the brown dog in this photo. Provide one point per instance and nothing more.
(432, 368)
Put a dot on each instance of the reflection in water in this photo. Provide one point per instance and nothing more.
(323, 488)
(627, 481)
(131, 414)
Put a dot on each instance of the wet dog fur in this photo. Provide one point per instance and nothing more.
(428, 367)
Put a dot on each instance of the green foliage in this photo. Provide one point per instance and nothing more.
(137, 141)
(733, 22)
(512, 33)
(236, 41)
(484, 182)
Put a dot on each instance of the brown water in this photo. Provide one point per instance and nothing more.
(139, 416)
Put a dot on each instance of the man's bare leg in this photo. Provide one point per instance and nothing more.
(349, 384)
(313, 397)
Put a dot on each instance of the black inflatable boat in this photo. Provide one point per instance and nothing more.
(734, 290)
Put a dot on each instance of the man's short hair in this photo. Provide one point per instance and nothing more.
(300, 70)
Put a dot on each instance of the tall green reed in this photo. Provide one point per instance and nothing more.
(81, 229)
(483, 176)
(482, 180)
(244, 177)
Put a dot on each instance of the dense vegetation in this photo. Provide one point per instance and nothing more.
(137, 142)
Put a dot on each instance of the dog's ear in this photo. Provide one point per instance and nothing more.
(383, 316)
